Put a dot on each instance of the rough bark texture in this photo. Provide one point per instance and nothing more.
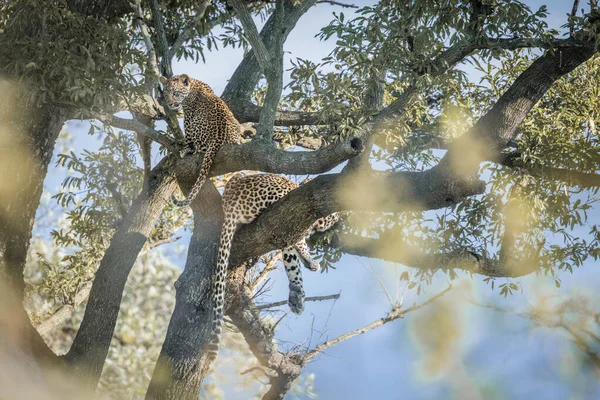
(91, 344)
(181, 368)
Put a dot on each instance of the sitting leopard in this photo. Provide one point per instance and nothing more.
(244, 199)
(209, 124)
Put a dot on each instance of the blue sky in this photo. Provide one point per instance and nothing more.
(497, 356)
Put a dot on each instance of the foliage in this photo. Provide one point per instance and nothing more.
(64, 58)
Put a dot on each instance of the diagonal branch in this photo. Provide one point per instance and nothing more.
(395, 250)
(140, 22)
(251, 33)
(392, 316)
(136, 126)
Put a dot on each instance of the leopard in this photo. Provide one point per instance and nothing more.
(208, 123)
(245, 198)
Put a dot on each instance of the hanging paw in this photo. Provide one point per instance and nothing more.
(311, 264)
(296, 300)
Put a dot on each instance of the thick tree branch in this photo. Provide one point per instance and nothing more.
(397, 251)
(89, 349)
(248, 73)
(569, 176)
(251, 34)
(181, 366)
(260, 155)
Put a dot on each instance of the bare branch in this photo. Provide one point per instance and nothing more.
(392, 316)
(284, 302)
(337, 3)
(133, 125)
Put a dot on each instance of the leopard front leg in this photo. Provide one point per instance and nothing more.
(190, 147)
(291, 262)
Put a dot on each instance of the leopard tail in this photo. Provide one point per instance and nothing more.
(225, 241)
(207, 162)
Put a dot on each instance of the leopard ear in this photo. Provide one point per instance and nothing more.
(163, 80)
(186, 79)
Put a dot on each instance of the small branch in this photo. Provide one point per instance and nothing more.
(337, 3)
(65, 311)
(140, 21)
(572, 16)
(284, 302)
(271, 265)
(161, 38)
(157, 243)
(133, 125)
(392, 316)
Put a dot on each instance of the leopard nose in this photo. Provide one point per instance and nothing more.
(175, 105)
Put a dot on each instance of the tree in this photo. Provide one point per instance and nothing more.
(438, 172)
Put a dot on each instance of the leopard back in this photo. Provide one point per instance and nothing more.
(208, 122)
(244, 199)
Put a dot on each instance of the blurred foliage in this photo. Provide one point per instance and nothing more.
(94, 63)
(65, 58)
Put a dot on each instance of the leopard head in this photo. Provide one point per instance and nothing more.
(176, 90)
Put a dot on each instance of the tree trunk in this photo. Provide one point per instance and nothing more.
(27, 139)
(90, 347)
(182, 366)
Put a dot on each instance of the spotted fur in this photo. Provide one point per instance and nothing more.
(208, 123)
(244, 199)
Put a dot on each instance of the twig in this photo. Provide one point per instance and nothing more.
(393, 315)
(313, 298)
(337, 3)
(572, 17)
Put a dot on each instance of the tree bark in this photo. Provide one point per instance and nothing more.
(27, 137)
(181, 366)
(90, 347)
